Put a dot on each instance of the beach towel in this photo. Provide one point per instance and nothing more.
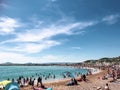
(48, 89)
(4, 83)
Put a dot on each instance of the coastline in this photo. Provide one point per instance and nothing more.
(65, 80)
(57, 80)
(60, 84)
(93, 71)
(94, 81)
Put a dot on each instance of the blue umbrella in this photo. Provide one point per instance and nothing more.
(12, 86)
(69, 74)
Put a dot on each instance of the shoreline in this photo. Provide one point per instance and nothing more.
(61, 84)
(58, 76)
(93, 82)
(93, 71)
(57, 80)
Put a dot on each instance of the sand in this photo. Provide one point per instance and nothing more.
(93, 82)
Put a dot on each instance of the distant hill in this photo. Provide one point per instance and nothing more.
(7, 63)
(98, 62)
(104, 61)
(29, 63)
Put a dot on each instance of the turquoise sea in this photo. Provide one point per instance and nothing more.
(35, 71)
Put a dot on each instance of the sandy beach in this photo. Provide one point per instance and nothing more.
(93, 81)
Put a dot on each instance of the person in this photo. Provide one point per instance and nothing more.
(80, 79)
(113, 75)
(99, 88)
(53, 76)
(75, 81)
(63, 76)
(13, 80)
(106, 87)
(8, 79)
(24, 81)
(72, 82)
(19, 81)
(33, 81)
(39, 81)
(30, 82)
(84, 77)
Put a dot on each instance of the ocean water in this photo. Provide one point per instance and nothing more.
(35, 71)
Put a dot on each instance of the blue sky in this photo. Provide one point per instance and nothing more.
(42, 31)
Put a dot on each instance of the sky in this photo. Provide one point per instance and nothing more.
(43, 31)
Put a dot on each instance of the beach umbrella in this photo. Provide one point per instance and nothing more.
(70, 74)
(4, 83)
(12, 86)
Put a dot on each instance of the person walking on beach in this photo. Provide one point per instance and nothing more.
(39, 81)
(113, 75)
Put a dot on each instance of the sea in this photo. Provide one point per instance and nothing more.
(14, 72)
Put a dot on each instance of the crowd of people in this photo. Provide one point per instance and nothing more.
(38, 78)
(113, 73)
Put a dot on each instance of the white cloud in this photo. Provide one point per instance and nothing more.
(21, 58)
(53, 0)
(37, 40)
(50, 57)
(111, 19)
(76, 48)
(57, 58)
(8, 25)
(3, 5)
(13, 57)
(35, 35)
(33, 47)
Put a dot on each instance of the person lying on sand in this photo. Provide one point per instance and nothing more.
(99, 88)
(72, 82)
